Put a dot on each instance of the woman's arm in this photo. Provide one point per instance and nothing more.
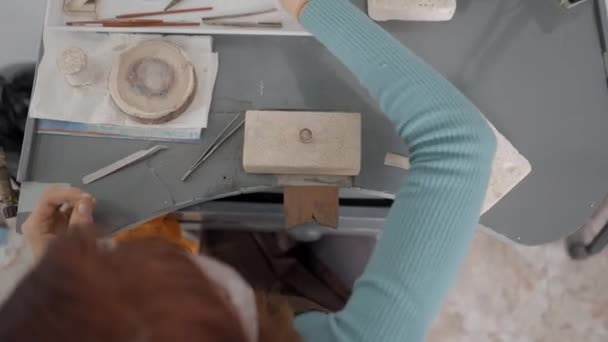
(432, 221)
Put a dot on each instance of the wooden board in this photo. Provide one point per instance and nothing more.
(311, 204)
(303, 143)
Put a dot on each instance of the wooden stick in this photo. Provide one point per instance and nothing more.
(149, 14)
(240, 15)
(244, 24)
(112, 20)
(165, 23)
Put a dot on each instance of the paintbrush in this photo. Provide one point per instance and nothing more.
(243, 24)
(150, 14)
(104, 21)
(132, 23)
(161, 24)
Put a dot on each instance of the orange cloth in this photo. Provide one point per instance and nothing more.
(166, 228)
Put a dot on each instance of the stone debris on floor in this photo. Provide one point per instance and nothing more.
(513, 293)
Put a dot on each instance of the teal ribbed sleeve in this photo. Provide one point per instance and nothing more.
(431, 223)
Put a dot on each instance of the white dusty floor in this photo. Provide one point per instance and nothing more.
(15, 261)
(532, 294)
(504, 293)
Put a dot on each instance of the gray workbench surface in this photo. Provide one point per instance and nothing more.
(534, 69)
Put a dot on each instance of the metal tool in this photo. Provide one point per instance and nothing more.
(171, 4)
(571, 3)
(602, 24)
(273, 25)
(241, 15)
(110, 169)
(219, 140)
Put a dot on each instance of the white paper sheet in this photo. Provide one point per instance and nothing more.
(55, 99)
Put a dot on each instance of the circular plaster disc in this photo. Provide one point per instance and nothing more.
(72, 61)
(153, 82)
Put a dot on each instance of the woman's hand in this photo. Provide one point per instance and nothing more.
(293, 7)
(58, 210)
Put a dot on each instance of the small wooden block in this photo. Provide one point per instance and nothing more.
(397, 160)
(311, 204)
(302, 143)
(412, 10)
(80, 8)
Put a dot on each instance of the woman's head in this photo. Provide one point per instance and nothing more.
(146, 290)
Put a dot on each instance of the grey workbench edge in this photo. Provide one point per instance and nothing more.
(153, 187)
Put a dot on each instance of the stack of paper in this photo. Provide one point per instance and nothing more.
(90, 110)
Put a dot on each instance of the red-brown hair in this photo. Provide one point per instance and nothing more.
(142, 290)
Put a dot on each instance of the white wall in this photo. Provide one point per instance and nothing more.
(20, 31)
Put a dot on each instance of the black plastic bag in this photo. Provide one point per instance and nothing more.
(14, 105)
